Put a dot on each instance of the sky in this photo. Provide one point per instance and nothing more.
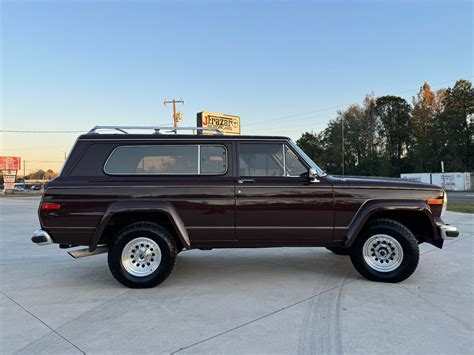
(284, 67)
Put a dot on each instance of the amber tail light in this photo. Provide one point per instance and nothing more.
(48, 206)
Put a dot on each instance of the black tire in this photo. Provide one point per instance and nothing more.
(406, 240)
(339, 250)
(156, 233)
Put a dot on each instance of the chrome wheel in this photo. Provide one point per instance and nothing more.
(382, 253)
(141, 257)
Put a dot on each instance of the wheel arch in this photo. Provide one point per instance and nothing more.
(415, 215)
(133, 211)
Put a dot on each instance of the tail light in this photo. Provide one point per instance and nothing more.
(49, 206)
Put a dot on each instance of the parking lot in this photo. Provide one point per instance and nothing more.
(282, 300)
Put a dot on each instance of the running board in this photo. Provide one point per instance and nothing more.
(82, 253)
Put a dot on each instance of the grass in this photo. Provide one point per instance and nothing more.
(461, 206)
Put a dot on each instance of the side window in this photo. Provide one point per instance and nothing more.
(167, 160)
(261, 160)
(213, 159)
(293, 166)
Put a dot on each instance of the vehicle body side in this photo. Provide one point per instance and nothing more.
(212, 211)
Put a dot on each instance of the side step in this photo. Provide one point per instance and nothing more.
(82, 253)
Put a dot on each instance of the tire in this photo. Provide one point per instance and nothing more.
(142, 255)
(385, 251)
(339, 250)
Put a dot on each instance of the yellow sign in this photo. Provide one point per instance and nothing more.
(227, 124)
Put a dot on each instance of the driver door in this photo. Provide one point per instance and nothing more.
(276, 204)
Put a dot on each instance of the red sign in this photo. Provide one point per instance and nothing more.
(10, 163)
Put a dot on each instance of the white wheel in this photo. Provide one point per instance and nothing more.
(141, 257)
(382, 253)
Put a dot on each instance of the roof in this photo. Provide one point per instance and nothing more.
(151, 137)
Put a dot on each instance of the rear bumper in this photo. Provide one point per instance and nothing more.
(447, 231)
(41, 237)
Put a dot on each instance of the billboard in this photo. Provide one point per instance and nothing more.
(10, 163)
(228, 124)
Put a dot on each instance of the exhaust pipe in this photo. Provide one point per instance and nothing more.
(82, 253)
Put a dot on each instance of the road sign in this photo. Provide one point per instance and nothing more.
(228, 124)
(10, 163)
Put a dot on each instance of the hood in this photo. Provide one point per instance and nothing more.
(381, 182)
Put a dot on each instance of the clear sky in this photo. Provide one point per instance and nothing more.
(70, 65)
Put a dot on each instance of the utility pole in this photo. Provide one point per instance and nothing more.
(342, 144)
(176, 115)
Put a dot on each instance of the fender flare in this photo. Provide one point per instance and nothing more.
(142, 206)
(373, 206)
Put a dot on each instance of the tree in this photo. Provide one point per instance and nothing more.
(394, 115)
(457, 121)
(426, 106)
(313, 146)
(387, 136)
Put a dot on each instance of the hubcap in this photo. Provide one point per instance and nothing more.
(141, 257)
(382, 253)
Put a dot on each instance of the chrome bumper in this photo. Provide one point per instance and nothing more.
(447, 231)
(40, 237)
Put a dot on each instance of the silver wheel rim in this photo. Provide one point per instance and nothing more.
(382, 253)
(141, 257)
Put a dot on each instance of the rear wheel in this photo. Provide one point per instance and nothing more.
(142, 255)
(386, 251)
(339, 250)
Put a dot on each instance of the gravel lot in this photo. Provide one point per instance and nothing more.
(282, 300)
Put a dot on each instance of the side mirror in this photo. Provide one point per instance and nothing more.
(313, 175)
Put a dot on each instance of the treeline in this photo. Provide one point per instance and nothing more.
(387, 136)
(41, 175)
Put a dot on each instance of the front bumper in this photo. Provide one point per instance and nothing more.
(41, 237)
(447, 231)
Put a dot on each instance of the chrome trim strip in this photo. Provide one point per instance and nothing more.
(281, 227)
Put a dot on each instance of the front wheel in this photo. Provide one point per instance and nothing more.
(386, 251)
(142, 255)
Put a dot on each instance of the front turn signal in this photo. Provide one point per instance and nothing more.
(435, 201)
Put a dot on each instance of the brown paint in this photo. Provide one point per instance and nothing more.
(218, 211)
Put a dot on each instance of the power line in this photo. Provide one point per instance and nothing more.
(35, 148)
(338, 106)
(292, 117)
(25, 131)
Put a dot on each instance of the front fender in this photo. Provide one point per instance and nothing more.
(373, 206)
(141, 206)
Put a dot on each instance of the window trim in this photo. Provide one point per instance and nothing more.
(170, 174)
(284, 145)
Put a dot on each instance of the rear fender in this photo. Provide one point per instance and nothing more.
(371, 207)
(141, 206)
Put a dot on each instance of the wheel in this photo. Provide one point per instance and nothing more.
(339, 250)
(142, 255)
(385, 251)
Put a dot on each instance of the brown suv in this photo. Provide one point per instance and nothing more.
(145, 197)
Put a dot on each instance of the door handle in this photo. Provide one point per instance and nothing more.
(246, 181)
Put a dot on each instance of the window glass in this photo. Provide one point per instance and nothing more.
(261, 160)
(213, 159)
(293, 165)
(166, 160)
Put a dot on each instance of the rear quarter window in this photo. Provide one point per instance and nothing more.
(167, 160)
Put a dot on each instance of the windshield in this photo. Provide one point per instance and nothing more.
(308, 159)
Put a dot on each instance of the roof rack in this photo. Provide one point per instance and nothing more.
(156, 129)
